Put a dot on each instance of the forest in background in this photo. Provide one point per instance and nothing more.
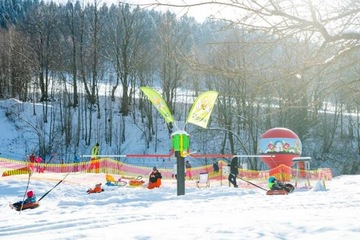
(299, 70)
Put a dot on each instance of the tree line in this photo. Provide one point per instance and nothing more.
(90, 60)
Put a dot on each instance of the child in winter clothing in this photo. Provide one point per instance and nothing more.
(97, 189)
(110, 180)
(31, 198)
(275, 184)
(154, 179)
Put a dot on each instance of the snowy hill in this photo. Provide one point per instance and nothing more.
(218, 212)
(23, 128)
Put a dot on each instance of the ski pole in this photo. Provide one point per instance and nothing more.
(54, 187)
(27, 187)
(252, 184)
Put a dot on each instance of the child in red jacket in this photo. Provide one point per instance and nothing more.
(97, 189)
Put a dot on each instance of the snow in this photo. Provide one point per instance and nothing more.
(217, 212)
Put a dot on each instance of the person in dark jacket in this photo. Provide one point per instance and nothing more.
(234, 171)
(216, 167)
(154, 179)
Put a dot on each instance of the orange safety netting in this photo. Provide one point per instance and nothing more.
(107, 165)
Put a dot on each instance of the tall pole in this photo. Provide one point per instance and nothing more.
(180, 165)
(180, 144)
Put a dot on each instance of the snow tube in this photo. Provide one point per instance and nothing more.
(136, 183)
(277, 192)
(26, 206)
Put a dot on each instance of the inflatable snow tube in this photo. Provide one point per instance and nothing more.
(136, 183)
(26, 206)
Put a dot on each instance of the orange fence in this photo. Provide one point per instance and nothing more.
(107, 165)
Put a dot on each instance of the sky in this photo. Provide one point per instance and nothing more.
(200, 13)
(217, 212)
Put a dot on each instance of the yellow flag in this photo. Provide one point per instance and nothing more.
(201, 109)
(158, 102)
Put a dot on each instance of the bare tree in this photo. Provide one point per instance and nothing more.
(330, 26)
(16, 67)
(70, 29)
(124, 30)
(171, 47)
(39, 26)
(91, 64)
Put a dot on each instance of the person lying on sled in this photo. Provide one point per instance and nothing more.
(154, 179)
(275, 184)
(97, 189)
(31, 198)
(110, 180)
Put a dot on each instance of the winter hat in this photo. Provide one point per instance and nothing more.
(271, 179)
(30, 194)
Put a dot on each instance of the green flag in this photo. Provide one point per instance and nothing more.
(201, 109)
(158, 102)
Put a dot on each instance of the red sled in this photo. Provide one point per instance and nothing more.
(277, 192)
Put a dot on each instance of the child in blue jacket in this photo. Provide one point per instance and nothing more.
(31, 198)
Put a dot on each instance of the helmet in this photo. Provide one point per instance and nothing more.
(30, 194)
(271, 179)
(154, 168)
